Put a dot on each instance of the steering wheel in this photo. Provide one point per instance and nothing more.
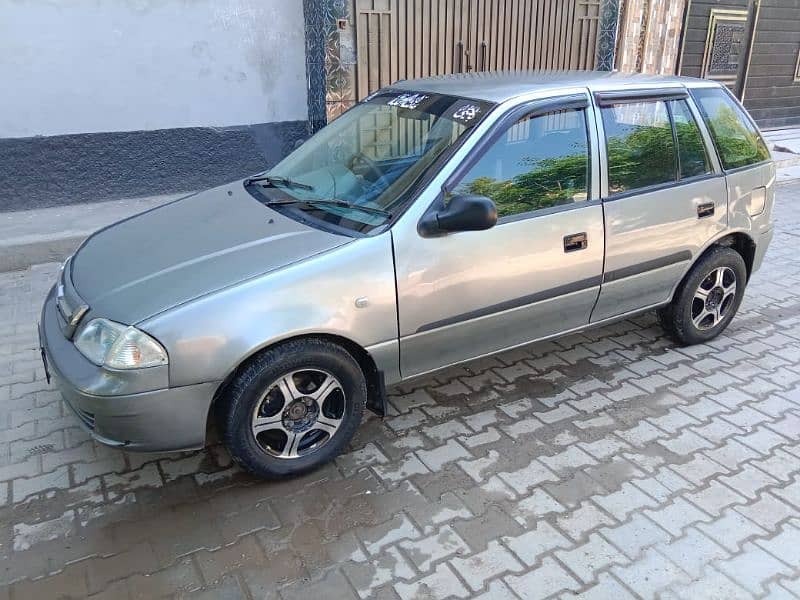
(362, 162)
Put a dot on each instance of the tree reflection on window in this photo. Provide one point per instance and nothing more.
(640, 147)
(738, 142)
(540, 162)
(691, 150)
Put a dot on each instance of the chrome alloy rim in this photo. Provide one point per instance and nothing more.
(714, 298)
(299, 413)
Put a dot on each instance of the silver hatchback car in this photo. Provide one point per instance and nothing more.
(437, 221)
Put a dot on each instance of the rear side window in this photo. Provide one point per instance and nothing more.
(736, 138)
(691, 149)
(640, 146)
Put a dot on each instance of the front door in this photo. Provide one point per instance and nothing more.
(537, 272)
(664, 202)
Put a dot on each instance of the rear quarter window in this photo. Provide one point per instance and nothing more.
(736, 138)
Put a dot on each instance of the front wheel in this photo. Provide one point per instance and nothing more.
(707, 299)
(293, 408)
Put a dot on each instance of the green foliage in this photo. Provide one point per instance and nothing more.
(737, 144)
(549, 182)
(691, 148)
(641, 157)
(644, 157)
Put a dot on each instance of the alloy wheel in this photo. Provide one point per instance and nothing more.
(299, 413)
(713, 298)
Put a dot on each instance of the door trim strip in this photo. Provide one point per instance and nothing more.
(549, 294)
(588, 326)
(650, 265)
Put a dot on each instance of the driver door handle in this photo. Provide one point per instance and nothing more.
(575, 241)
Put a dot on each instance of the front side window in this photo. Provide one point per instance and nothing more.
(541, 161)
(356, 173)
(691, 149)
(639, 143)
(737, 140)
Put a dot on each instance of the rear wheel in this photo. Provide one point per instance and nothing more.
(293, 408)
(707, 299)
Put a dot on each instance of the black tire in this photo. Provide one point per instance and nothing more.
(247, 391)
(677, 317)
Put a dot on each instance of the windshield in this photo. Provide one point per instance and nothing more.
(369, 157)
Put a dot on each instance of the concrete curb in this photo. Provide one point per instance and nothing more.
(51, 234)
(18, 256)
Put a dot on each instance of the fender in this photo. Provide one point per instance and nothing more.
(208, 338)
(712, 242)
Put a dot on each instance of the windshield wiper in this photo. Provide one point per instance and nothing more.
(335, 202)
(277, 180)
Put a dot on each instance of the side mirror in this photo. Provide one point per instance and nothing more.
(464, 212)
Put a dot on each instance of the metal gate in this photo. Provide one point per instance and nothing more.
(404, 39)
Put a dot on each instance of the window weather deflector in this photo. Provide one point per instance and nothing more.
(610, 97)
(541, 107)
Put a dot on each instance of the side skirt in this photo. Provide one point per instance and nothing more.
(607, 321)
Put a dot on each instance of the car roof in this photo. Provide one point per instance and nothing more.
(499, 86)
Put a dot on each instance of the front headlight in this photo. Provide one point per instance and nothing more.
(118, 346)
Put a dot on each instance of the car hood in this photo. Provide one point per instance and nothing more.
(164, 257)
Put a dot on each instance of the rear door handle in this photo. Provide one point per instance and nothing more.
(705, 210)
(576, 241)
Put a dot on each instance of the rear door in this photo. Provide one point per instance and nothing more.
(537, 271)
(664, 196)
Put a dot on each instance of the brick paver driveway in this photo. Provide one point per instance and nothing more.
(608, 464)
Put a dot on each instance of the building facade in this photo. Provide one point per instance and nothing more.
(752, 46)
(109, 100)
(106, 99)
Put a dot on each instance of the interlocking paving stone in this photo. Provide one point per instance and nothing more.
(753, 567)
(536, 542)
(624, 501)
(693, 552)
(675, 516)
(786, 545)
(546, 580)
(605, 588)
(610, 464)
(482, 566)
(585, 518)
(443, 583)
(731, 529)
(426, 551)
(593, 556)
(651, 574)
(635, 535)
(767, 511)
(539, 503)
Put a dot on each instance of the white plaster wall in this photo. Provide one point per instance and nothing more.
(85, 66)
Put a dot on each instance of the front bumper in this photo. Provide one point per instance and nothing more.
(116, 408)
